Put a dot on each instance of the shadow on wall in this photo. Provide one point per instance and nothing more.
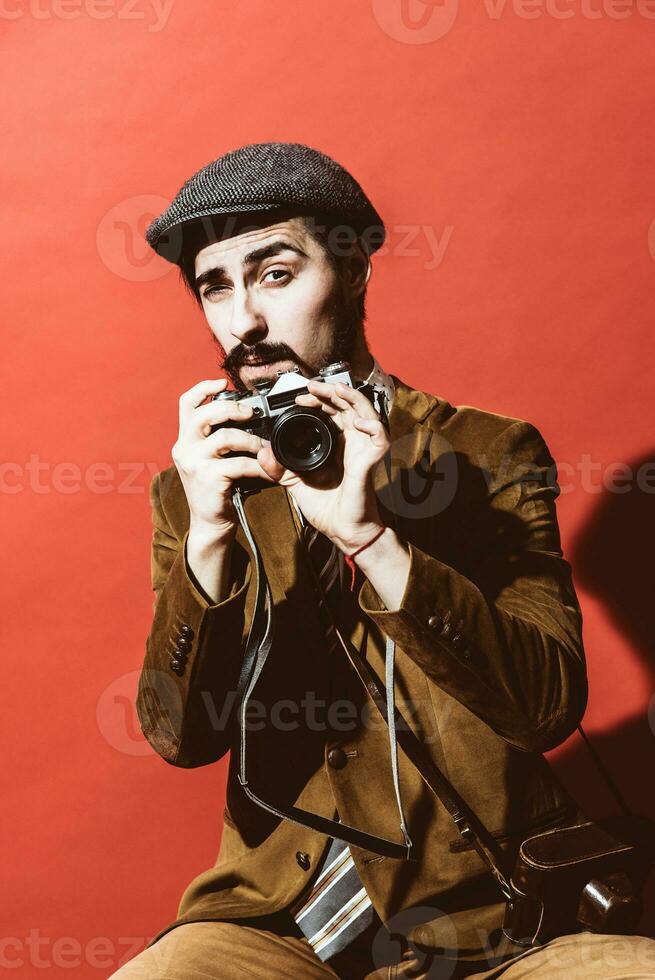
(614, 560)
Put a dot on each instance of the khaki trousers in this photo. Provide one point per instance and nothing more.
(237, 951)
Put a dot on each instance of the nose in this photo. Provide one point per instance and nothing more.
(247, 324)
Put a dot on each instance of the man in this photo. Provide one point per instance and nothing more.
(456, 555)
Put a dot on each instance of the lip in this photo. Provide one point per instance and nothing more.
(259, 363)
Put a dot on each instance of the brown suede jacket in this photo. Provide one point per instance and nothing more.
(490, 672)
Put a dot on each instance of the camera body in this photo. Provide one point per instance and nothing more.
(303, 439)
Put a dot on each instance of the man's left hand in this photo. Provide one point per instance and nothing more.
(339, 499)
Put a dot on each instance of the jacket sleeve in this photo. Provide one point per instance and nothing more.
(506, 640)
(187, 716)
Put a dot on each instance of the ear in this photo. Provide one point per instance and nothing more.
(359, 269)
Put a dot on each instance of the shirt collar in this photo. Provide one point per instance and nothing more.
(379, 376)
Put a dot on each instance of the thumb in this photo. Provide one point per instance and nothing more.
(268, 462)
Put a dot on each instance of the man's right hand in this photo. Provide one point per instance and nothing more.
(198, 454)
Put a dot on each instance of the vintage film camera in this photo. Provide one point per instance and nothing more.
(303, 439)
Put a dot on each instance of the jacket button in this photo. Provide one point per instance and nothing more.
(337, 758)
(177, 666)
(434, 622)
(303, 860)
(186, 630)
(184, 643)
(179, 654)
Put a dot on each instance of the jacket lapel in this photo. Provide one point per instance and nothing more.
(274, 530)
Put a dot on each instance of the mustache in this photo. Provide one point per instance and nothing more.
(267, 353)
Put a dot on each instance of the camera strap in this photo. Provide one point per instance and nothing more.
(258, 646)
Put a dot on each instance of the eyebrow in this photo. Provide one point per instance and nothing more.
(249, 259)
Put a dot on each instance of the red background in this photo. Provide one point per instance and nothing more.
(525, 140)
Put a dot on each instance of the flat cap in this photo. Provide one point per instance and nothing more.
(288, 178)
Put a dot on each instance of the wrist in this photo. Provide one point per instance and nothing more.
(356, 538)
(204, 536)
(385, 548)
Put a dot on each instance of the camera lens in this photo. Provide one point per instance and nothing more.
(303, 438)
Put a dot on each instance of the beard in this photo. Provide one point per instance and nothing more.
(347, 327)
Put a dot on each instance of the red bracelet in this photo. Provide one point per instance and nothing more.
(349, 558)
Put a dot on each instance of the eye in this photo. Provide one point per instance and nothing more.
(277, 272)
(212, 291)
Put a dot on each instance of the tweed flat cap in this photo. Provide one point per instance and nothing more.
(265, 177)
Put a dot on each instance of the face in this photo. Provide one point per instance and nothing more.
(273, 301)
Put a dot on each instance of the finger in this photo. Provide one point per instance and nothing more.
(311, 401)
(231, 440)
(268, 462)
(195, 396)
(215, 413)
(374, 428)
(357, 400)
(238, 467)
(330, 402)
(344, 397)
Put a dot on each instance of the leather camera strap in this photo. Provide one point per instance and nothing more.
(258, 646)
(469, 825)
